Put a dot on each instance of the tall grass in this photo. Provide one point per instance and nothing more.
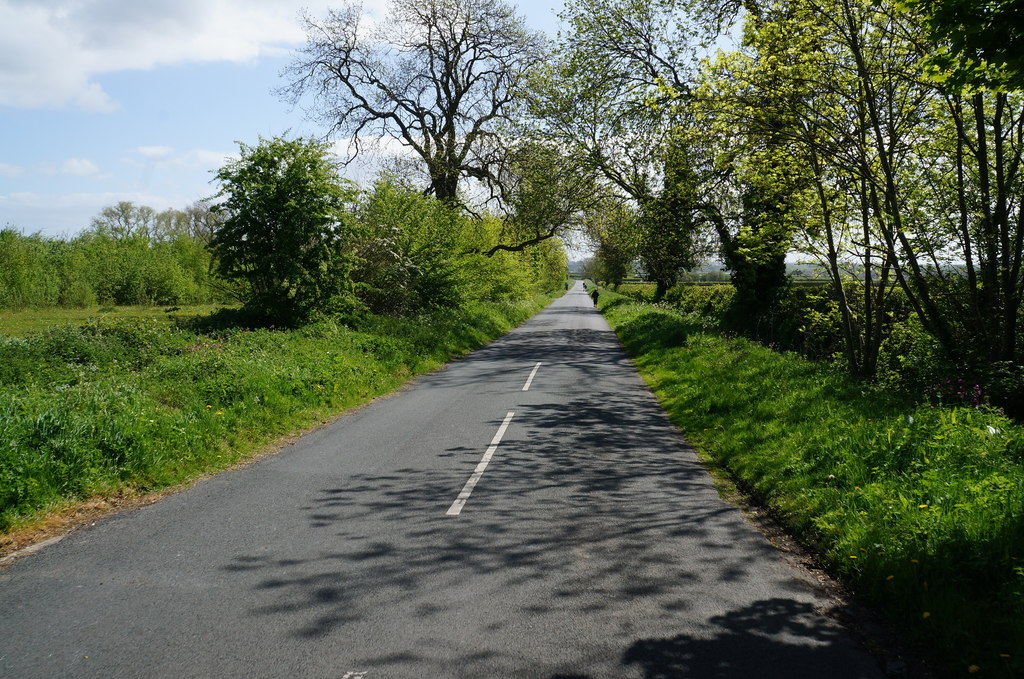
(28, 321)
(141, 404)
(918, 506)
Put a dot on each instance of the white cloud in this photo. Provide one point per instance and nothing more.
(51, 51)
(154, 152)
(8, 171)
(203, 159)
(80, 167)
(165, 156)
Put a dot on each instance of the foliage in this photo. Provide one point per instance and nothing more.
(287, 230)
(603, 96)
(981, 44)
(613, 226)
(669, 223)
(919, 508)
(96, 267)
(27, 321)
(408, 251)
(546, 192)
(822, 126)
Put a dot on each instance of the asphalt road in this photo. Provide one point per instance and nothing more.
(591, 545)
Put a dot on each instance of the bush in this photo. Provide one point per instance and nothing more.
(285, 238)
(96, 267)
(409, 251)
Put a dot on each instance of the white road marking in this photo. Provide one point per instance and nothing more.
(31, 549)
(467, 490)
(529, 380)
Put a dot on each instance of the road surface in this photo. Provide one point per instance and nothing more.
(526, 512)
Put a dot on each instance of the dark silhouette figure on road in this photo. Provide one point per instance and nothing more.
(593, 296)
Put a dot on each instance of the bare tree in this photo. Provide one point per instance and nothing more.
(440, 76)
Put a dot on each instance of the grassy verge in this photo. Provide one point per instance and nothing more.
(23, 322)
(919, 509)
(138, 404)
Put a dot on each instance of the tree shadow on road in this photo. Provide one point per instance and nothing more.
(594, 514)
(770, 638)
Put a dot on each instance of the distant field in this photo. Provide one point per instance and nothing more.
(20, 323)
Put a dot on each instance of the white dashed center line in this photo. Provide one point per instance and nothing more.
(467, 490)
(529, 380)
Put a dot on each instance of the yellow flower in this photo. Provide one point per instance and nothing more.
(926, 615)
(973, 668)
(219, 412)
(922, 506)
(853, 556)
(890, 577)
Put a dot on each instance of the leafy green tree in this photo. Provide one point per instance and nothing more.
(287, 230)
(980, 43)
(613, 228)
(126, 220)
(609, 92)
(26, 276)
(615, 95)
(408, 250)
(545, 192)
(669, 222)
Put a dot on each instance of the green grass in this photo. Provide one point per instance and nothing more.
(140, 404)
(918, 508)
(21, 323)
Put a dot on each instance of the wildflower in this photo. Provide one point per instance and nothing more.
(219, 412)
(926, 615)
(973, 668)
(890, 577)
(209, 406)
(922, 506)
(853, 556)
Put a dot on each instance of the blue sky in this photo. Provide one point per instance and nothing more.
(110, 100)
